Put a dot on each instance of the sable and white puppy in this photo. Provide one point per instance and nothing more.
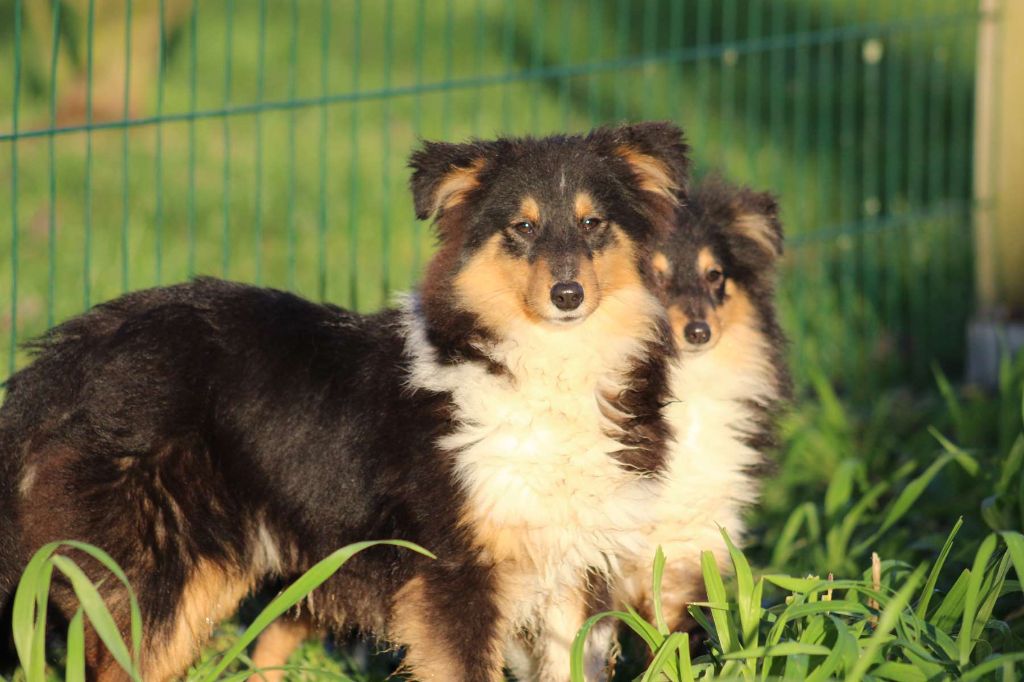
(717, 273)
(214, 436)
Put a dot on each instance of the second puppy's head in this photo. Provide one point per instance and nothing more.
(543, 230)
(717, 270)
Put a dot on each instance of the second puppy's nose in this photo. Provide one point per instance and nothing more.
(567, 295)
(697, 333)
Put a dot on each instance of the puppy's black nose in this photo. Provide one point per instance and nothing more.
(567, 295)
(697, 332)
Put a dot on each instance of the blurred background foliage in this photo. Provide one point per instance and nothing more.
(267, 142)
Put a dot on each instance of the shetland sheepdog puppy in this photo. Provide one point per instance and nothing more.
(213, 436)
(717, 275)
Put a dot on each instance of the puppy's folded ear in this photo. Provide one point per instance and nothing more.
(656, 153)
(444, 174)
(757, 222)
(658, 161)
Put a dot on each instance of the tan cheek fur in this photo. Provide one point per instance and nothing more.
(494, 286)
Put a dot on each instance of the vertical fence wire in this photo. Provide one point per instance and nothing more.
(892, 173)
(15, 260)
(825, 144)
(125, 136)
(353, 193)
(51, 148)
(261, 81)
(229, 51)
(959, 213)
(293, 60)
(325, 87)
(478, 57)
(193, 95)
(87, 251)
(796, 175)
(915, 175)
(417, 122)
(385, 154)
(158, 184)
(872, 53)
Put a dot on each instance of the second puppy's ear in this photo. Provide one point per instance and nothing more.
(757, 220)
(445, 173)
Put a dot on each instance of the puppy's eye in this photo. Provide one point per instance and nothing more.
(714, 276)
(525, 228)
(591, 223)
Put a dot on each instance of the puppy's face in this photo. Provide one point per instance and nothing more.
(543, 230)
(717, 270)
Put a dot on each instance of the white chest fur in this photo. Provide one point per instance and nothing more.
(708, 483)
(544, 494)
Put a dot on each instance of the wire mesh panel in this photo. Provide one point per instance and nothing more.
(266, 141)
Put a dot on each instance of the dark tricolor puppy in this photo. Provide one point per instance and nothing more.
(214, 436)
(718, 282)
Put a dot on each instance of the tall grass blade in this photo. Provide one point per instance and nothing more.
(716, 595)
(645, 630)
(74, 667)
(665, 661)
(749, 611)
(785, 546)
(1015, 548)
(295, 592)
(840, 487)
(907, 497)
(834, 659)
(933, 576)
(99, 616)
(951, 608)
(898, 672)
(886, 622)
(656, 575)
(956, 412)
(969, 464)
(965, 641)
(991, 665)
(838, 538)
(28, 613)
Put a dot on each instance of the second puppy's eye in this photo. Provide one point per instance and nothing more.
(525, 228)
(714, 276)
(591, 223)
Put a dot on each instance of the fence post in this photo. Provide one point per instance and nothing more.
(999, 159)
(998, 325)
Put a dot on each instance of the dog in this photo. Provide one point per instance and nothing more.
(508, 416)
(729, 382)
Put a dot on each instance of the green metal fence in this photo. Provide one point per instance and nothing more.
(265, 141)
